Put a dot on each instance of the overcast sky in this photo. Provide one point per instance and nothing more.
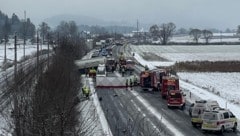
(220, 14)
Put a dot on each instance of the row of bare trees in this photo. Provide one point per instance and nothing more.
(46, 105)
(165, 31)
(197, 33)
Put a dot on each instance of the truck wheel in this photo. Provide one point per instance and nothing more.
(182, 107)
(222, 130)
(234, 127)
(194, 124)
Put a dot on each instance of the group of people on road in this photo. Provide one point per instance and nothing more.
(131, 82)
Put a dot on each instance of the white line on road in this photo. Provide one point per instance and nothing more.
(171, 127)
(105, 126)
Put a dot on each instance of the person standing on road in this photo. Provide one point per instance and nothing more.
(87, 92)
(131, 83)
(126, 84)
(123, 71)
(135, 80)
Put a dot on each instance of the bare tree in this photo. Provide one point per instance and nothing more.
(154, 30)
(207, 35)
(196, 34)
(238, 31)
(44, 29)
(164, 32)
(6, 31)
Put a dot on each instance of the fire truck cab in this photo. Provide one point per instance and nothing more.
(148, 80)
(175, 98)
(169, 83)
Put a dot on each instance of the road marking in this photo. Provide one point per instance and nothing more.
(121, 104)
(171, 127)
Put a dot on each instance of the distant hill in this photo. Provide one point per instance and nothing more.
(79, 19)
(92, 24)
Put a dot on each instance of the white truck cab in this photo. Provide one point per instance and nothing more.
(101, 70)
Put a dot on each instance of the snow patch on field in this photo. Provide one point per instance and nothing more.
(226, 85)
(178, 53)
(152, 64)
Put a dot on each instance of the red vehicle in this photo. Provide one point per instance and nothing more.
(160, 74)
(152, 79)
(148, 80)
(169, 83)
(175, 98)
(122, 61)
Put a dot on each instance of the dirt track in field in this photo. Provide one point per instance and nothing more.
(152, 57)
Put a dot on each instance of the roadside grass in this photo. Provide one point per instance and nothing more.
(207, 66)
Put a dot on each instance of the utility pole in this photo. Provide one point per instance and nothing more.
(15, 57)
(15, 101)
(221, 37)
(37, 54)
(25, 33)
(137, 32)
(48, 37)
(5, 50)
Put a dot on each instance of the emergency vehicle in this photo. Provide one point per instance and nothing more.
(169, 83)
(148, 80)
(101, 70)
(175, 98)
(130, 65)
(219, 120)
(160, 74)
(196, 110)
(122, 61)
(110, 64)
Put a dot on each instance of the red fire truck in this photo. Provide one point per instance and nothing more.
(152, 79)
(169, 83)
(148, 80)
(175, 98)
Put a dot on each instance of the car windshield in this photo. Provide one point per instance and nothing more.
(129, 62)
(175, 95)
(210, 116)
(170, 87)
(197, 110)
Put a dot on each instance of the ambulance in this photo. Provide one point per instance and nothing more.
(219, 120)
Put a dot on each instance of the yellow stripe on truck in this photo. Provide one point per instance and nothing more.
(196, 120)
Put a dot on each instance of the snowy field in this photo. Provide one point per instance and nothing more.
(180, 53)
(226, 37)
(29, 50)
(226, 85)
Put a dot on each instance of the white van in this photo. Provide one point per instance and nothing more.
(101, 70)
(219, 120)
(196, 110)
